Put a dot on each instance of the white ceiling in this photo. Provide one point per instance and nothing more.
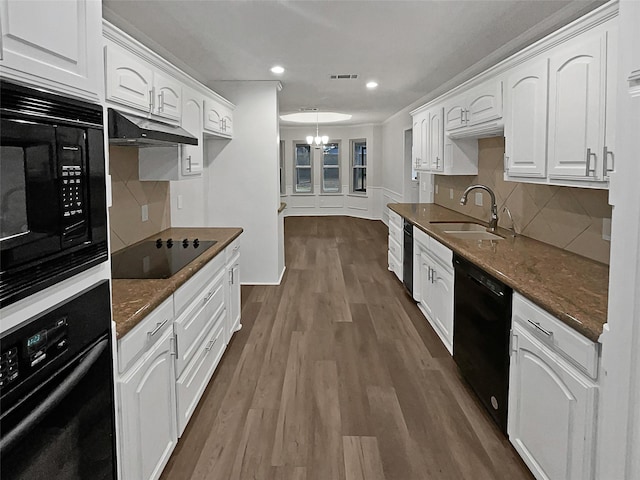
(413, 49)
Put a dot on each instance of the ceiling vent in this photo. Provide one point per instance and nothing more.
(309, 109)
(351, 76)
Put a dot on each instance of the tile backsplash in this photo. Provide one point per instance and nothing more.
(566, 217)
(129, 195)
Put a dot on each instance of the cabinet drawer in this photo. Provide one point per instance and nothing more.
(395, 219)
(232, 249)
(186, 294)
(193, 381)
(396, 233)
(196, 320)
(565, 341)
(395, 265)
(421, 237)
(441, 253)
(145, 334)
(395, 248)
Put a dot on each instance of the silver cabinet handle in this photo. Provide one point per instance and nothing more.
(506, 163)
(151, 95)
(589, 169)
(158, 328)
(161, 101)
(433, 275)
(548, 333)
(208, 296)
(606, 153)
(437, 162)
(188, 163)
(210, 345)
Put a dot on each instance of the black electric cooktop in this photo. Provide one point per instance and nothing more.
(156, 259)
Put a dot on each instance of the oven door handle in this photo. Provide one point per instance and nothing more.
(59, 393)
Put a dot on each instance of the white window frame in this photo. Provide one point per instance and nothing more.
(296, 167)
(324, 167)
(354, 167)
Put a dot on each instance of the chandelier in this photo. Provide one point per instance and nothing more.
(317, 141)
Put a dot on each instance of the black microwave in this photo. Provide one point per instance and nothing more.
(53, 219)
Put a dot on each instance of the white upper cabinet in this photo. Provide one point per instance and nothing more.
(54, 45)
(218, 119)
(525, 125)
(129, 81)
(420, 131)
(435, 140)
(132, 82)
(577, 107)
(466, 113)
(168, 96)
(192, 155)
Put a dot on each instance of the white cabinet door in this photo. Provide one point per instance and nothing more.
(484, 103)
(442, 301)
(416, 147)
(577, 107)
(525, 126)
(454, 113)
(212, 116)
(192, 155)
(148, 413)
(129, 80)
(551, 412)
(426, 286)
(168, 97)
(53, 44)
(435, 141)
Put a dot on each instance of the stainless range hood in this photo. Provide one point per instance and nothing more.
(129, 130)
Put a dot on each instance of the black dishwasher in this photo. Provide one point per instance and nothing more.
(407, 257)
(481, 329)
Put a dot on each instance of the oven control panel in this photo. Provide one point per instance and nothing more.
(72, 191)
(21, 359)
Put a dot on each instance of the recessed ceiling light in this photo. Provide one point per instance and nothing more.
(277, 70)
(313, 117)
(371, 85)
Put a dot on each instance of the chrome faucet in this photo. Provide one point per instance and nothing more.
(493, 222)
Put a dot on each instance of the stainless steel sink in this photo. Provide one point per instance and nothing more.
(466, 230)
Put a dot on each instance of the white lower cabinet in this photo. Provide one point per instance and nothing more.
(552, 405)
(396, 249)
(195, 377)
(435, 284)
(148, 412)
(166, 362)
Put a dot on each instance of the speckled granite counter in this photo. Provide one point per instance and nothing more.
(571, 287)
(282, 207)
(134, 299)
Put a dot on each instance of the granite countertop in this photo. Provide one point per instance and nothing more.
(134, 299)
(571, 287)
(282, 207)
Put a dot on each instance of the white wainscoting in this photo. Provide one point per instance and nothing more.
(316, 204)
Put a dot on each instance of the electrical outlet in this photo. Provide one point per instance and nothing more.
(451, 194)
(180, 202)
(424, 186)
(436, 189)
(145, 213)
(479, 199)
(606, 229)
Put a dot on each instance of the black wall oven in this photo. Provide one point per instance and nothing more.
(57, 415)
(52, 190)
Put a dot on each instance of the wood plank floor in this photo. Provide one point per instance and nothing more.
(337, 375)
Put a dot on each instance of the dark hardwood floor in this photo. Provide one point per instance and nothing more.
(337, 375)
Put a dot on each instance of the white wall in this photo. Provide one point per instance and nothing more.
(619, 429)
(242, 186)
(335, 204)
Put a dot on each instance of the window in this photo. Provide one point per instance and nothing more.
(302, 164)
(358, 166)
(331, 168)
(283, 183)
